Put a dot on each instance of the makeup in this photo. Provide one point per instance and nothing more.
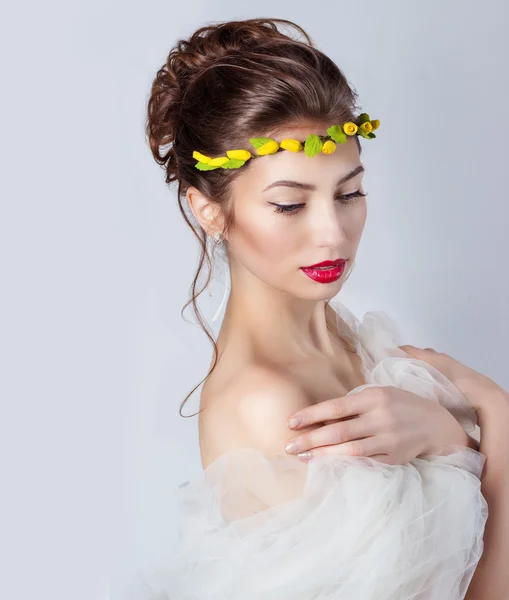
(326, 271)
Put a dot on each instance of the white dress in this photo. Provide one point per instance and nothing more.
(254, 527)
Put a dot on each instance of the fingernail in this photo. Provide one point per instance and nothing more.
(306, 456)
(291, 447)
(294, 422)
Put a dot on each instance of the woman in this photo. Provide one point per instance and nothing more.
(377, 492)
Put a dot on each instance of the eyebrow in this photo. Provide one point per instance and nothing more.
(309, 186)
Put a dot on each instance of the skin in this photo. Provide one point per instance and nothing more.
(278, 360)
(276, 354)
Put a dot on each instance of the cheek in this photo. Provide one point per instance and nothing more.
(356, 219)
(363, 212)
(264, 244)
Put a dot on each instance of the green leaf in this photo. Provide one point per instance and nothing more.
(363, 133)
(260, 141)
(371, 135)
(205, 167)
(363, 118)
(313, 144)
(233, 163)
(337, 134)
(333, 129)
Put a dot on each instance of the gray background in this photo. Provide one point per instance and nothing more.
(97, 261)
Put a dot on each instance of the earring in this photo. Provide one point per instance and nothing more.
(218, 238)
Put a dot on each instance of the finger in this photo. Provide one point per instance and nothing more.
(369, 446)
(330, 435)
(384, 458)
(333, 409)
(331, 421)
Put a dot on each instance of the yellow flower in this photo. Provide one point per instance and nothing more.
(201, 157)
(375, 124)
(217, 162)
(268, 148)
(329, 147)
(292, 145)
(350, 128)
(366, 127)
(239, 154)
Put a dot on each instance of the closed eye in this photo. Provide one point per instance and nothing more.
(291, 209)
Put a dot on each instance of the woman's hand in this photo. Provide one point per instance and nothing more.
(383, 422)
(477, 388)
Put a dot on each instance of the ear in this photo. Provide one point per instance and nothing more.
(206, 212)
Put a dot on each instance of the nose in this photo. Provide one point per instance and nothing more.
(327, 230)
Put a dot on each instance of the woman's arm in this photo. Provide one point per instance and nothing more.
(491, 577)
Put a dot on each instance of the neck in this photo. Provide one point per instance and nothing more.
(275, 324)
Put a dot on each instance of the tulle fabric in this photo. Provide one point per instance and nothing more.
(256, 527)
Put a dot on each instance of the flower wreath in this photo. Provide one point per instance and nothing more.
(314, 144)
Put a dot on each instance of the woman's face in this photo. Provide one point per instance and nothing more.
(293, 211)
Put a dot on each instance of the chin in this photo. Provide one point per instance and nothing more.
(320, 291)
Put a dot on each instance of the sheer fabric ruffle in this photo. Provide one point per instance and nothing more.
(255, 527)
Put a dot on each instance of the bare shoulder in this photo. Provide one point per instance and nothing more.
(254, 410)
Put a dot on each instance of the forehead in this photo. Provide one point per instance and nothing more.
(322, 170)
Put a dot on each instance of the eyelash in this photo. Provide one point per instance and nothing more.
(291, 209)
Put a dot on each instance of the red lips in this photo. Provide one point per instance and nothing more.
(326, 275)
(327, 263)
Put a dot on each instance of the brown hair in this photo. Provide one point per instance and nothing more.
(228, 82)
